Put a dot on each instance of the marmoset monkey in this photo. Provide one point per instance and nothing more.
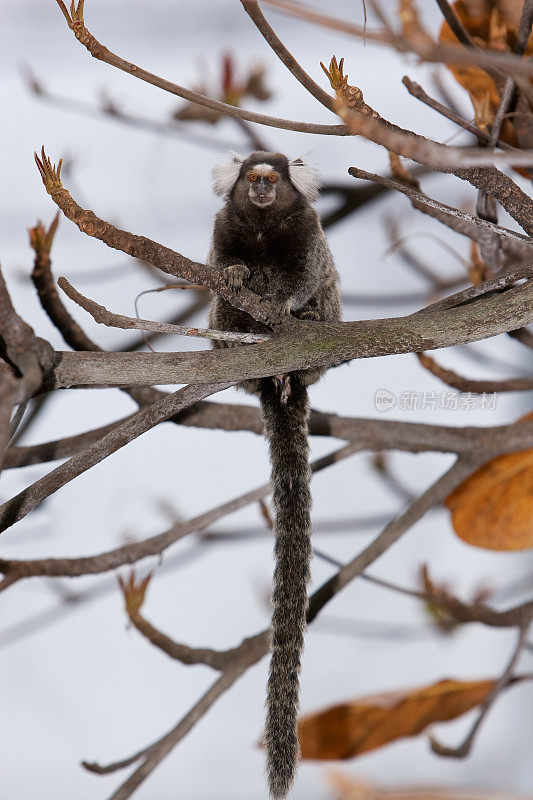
(269, 238)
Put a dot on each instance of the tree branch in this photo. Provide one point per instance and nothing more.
(145, 249)
(451, 378)
(429, 52)
(17, 507)
(76, 23)
(464, 749)
(154, 545)
(32, 356)
(318, 345)
(101, 315)
(156, 752)
(460, 221)
(256, 15)
(370, 434)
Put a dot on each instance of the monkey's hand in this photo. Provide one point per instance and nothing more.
(235, 276)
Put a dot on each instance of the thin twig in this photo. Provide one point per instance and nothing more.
(451, 378)
(418, 92)
(17, 507)
(502, 280)
(256, 15)
(524, 30)
(466, 746)
(102, 315)
(466, 223)
(430, 52)
(154, 545)
(156, 752)
(457, 27)
(76, 23)
(140, 247)
(392, 532)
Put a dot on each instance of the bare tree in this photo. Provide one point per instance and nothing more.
(498, 299)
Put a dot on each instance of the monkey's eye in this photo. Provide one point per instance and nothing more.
(252, 176)
(272, 178)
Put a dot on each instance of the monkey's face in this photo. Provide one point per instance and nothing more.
(262, 181)
(266, 182)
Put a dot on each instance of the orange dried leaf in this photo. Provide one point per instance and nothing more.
(493, 25)
(483, 116)
(349, 729)
(478, 271)
(493, 508)
(346, 787)
(412, 28)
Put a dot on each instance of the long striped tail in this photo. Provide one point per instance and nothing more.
(285, 421)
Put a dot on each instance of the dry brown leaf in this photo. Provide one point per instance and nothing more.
(493, 508)
(346, 787)
(412, 28)
(493, 25)
(349, 729)
(478, 271)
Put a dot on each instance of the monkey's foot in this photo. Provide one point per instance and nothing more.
(279, 311)
(309, 314)
(235, 276)
(282, 384)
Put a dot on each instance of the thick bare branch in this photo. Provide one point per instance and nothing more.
(316, 344)
(9, 390)
(370, 434)
(476, 169)
(32, 356)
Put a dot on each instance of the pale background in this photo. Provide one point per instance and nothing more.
(87, 687)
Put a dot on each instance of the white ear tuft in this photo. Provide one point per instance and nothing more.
(225, 175)
(304, 178)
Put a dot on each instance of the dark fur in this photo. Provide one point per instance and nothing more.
(287, 259)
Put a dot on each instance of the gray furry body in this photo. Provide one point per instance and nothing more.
(269, 238)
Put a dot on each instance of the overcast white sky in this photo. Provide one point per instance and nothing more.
(86, 687)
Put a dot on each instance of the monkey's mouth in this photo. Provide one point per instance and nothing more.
(262, 200)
